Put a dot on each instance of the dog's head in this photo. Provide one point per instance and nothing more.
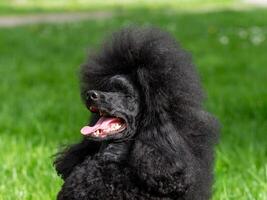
(139, 76)
(114, 106)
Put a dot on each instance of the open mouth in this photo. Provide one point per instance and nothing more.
(106, 125)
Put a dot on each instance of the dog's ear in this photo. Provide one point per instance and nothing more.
(73, 155)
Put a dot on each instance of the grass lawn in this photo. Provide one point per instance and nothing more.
(41, 108)
(37, 6)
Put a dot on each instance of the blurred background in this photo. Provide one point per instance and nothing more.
(43, 43)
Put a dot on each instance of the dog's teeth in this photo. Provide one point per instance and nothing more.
(117, 126)
(113, 127)
(96, 133)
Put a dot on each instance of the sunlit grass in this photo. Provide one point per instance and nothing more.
(37, 6)
(41, 108)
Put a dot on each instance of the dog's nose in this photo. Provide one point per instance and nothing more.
(92, 95)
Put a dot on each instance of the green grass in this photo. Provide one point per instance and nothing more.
(37, 6)
(41, 108)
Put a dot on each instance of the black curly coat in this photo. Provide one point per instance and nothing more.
(142, 76)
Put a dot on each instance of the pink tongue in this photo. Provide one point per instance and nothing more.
(103, 123)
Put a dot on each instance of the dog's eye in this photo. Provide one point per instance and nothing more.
(121, 88)
(121, 84)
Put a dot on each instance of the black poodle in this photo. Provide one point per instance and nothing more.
(149, 137)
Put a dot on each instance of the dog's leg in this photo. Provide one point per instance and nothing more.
(74, 155)
(91, 180)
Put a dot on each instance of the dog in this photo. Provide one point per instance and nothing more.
(149, 136)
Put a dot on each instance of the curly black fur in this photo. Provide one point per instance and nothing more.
(144, 77)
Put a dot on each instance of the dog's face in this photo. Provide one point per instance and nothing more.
(115, 107)
(135, 66)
